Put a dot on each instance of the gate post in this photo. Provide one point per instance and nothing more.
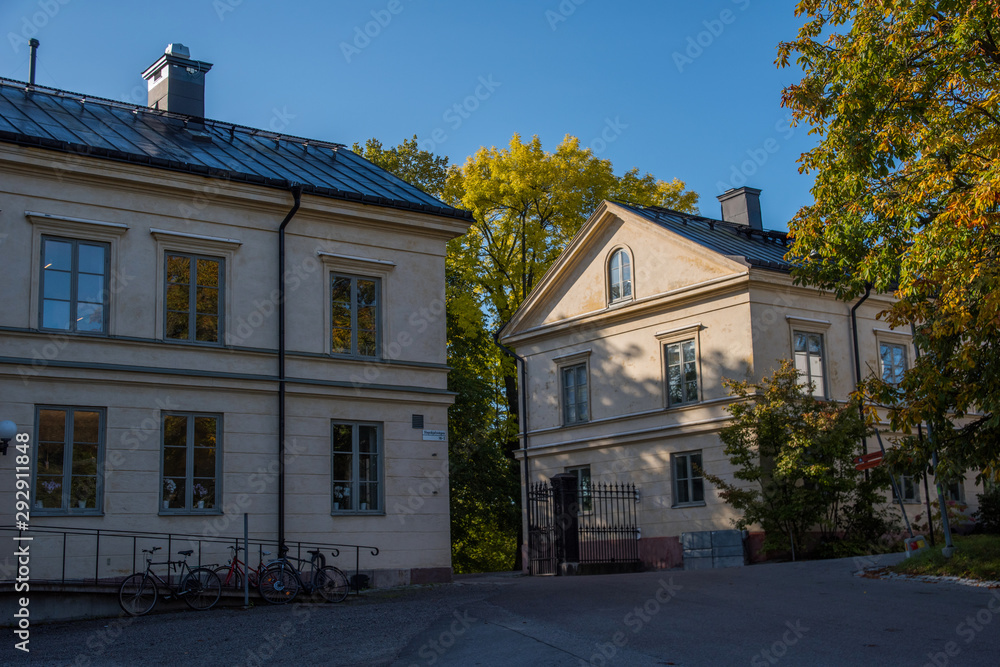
(565, 491)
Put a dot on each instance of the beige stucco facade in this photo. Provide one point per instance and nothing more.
(741, 318)
(133, 376)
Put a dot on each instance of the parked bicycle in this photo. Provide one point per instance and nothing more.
(199, 587)
(232, 574)
(282, 580)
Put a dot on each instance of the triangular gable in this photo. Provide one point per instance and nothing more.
(576, 283)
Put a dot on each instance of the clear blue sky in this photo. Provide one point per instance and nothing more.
(679, 89)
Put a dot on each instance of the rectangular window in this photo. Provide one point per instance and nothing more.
(682, 373)
(74, 285)
(689, 487)
(357, 467)
(355, 316)
(893, 361)
(955, 491)
(582, 474)
(194, 298)
(909, 486)
(809, 361)
(68, 460)
(574, 394)
(191, 462)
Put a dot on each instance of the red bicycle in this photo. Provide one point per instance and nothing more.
(231, 575)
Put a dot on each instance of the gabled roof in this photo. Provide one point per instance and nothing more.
(83, 125)
(733, 241)
(755, 247)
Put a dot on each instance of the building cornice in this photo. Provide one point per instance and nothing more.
(640, 307)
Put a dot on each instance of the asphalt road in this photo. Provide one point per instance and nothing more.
(815, 613)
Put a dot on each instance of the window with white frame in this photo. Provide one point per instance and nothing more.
(356, 467)
(354, 315)
(68, 460)
(955, 491)
(74, 285)
(892, 359)
(193, 302)
(574, 393)
(810, 361)
(689, 487)
(619, 277)
(682, 372)
(582, 474)
(192, 463)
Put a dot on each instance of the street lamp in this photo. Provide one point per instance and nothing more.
(8, 430)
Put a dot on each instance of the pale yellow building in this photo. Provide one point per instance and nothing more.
(627, 339)
(141, 345)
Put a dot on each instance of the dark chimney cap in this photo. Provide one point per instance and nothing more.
(742, 206)
(176, 83)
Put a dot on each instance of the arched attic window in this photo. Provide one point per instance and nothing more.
(619, 277)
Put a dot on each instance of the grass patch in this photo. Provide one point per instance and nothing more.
(975, 557)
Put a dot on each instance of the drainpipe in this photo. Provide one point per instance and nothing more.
(522, 396)
(297, 195)
(857, 359)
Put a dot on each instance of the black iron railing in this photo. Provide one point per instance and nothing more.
(606, 526)
(609, 529)
(81, 556)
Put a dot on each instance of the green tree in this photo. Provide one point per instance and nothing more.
(407, 161)
(904, 97)
(527, 204)
(793, 458)
(484, 482)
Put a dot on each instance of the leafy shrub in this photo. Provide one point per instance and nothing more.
(988, 515)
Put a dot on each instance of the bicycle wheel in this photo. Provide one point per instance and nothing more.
(201, 588)
(233, 580)
(137, 594)
(331, 583)
(278, 584)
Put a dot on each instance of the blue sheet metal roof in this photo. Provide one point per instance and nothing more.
(101, 128)
(755, 247)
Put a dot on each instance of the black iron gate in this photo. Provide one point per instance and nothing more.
(596, 526)
(541, 529)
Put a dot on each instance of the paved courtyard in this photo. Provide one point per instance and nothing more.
(815, 613)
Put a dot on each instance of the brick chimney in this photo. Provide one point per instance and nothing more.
(742, 206)
(177, 83)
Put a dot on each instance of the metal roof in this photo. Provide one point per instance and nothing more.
(756, 247)
(101, 128)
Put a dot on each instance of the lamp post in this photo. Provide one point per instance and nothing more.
(8, 431)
